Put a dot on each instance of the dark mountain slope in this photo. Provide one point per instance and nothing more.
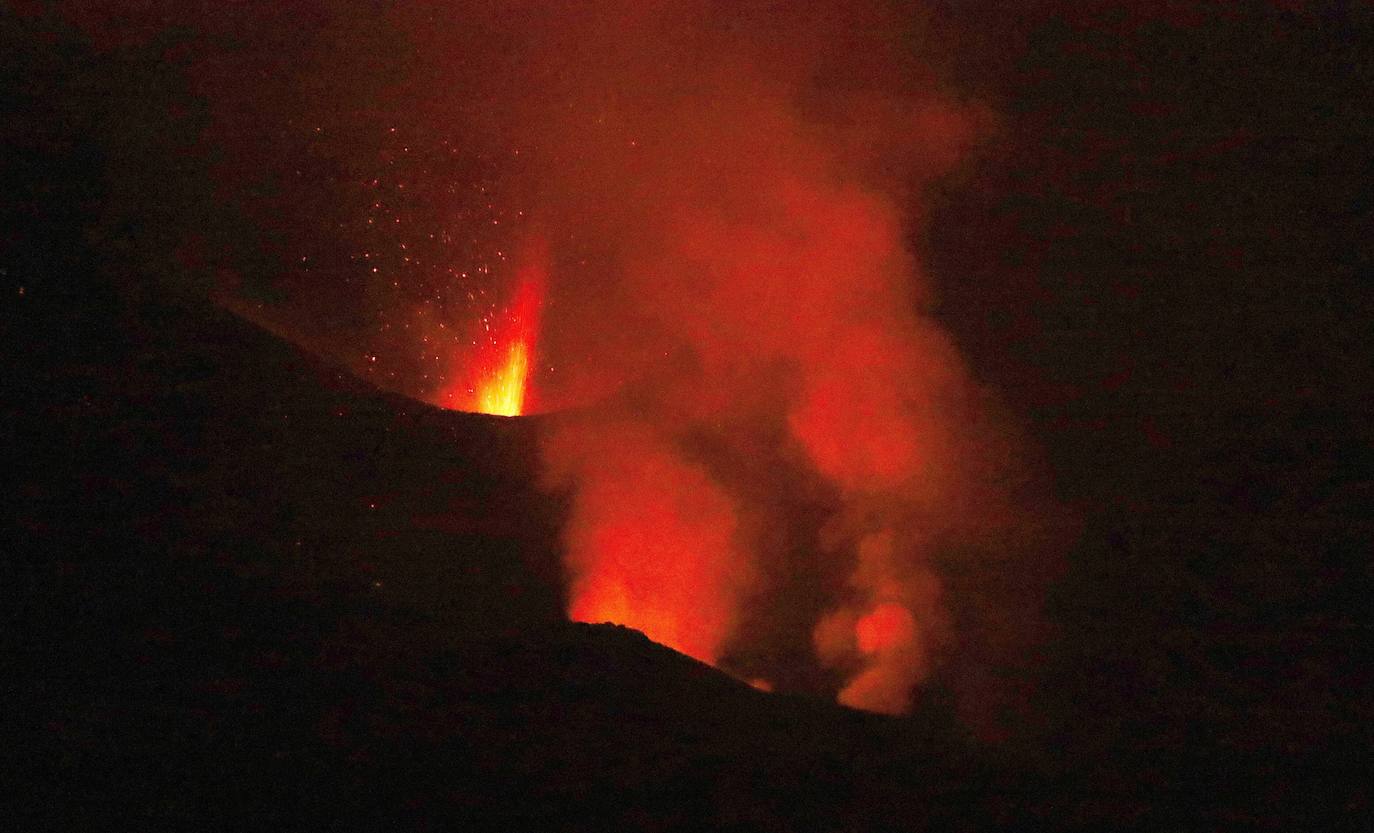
(253, 590)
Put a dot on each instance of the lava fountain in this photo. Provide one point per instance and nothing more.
(498, 373)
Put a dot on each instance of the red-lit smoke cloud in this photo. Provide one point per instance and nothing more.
(770, 446)
(653, 539)
(743, 180)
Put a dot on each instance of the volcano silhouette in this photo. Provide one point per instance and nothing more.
(254, 588)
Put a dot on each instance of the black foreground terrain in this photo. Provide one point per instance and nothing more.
(252, 591)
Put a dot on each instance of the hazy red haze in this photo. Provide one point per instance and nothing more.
(744, 185)
(776, 459)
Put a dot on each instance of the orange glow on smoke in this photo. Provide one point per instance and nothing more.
(497, 381)
(652, 543)
(663, 567)
(887, 626)
(695, 225)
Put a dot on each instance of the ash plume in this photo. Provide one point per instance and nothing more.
(774, 454)
(744, 183)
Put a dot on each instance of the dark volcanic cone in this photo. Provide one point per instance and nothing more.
(253, 587)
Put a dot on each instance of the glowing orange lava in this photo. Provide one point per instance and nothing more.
(503, 392)
(498, 373)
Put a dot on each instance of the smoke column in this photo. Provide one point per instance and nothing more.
(744, 182)
(773, 453)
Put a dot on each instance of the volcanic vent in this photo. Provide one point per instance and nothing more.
(694, 234)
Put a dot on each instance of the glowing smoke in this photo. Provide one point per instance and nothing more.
(756, 253)
(727, 292)
(652, 540)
